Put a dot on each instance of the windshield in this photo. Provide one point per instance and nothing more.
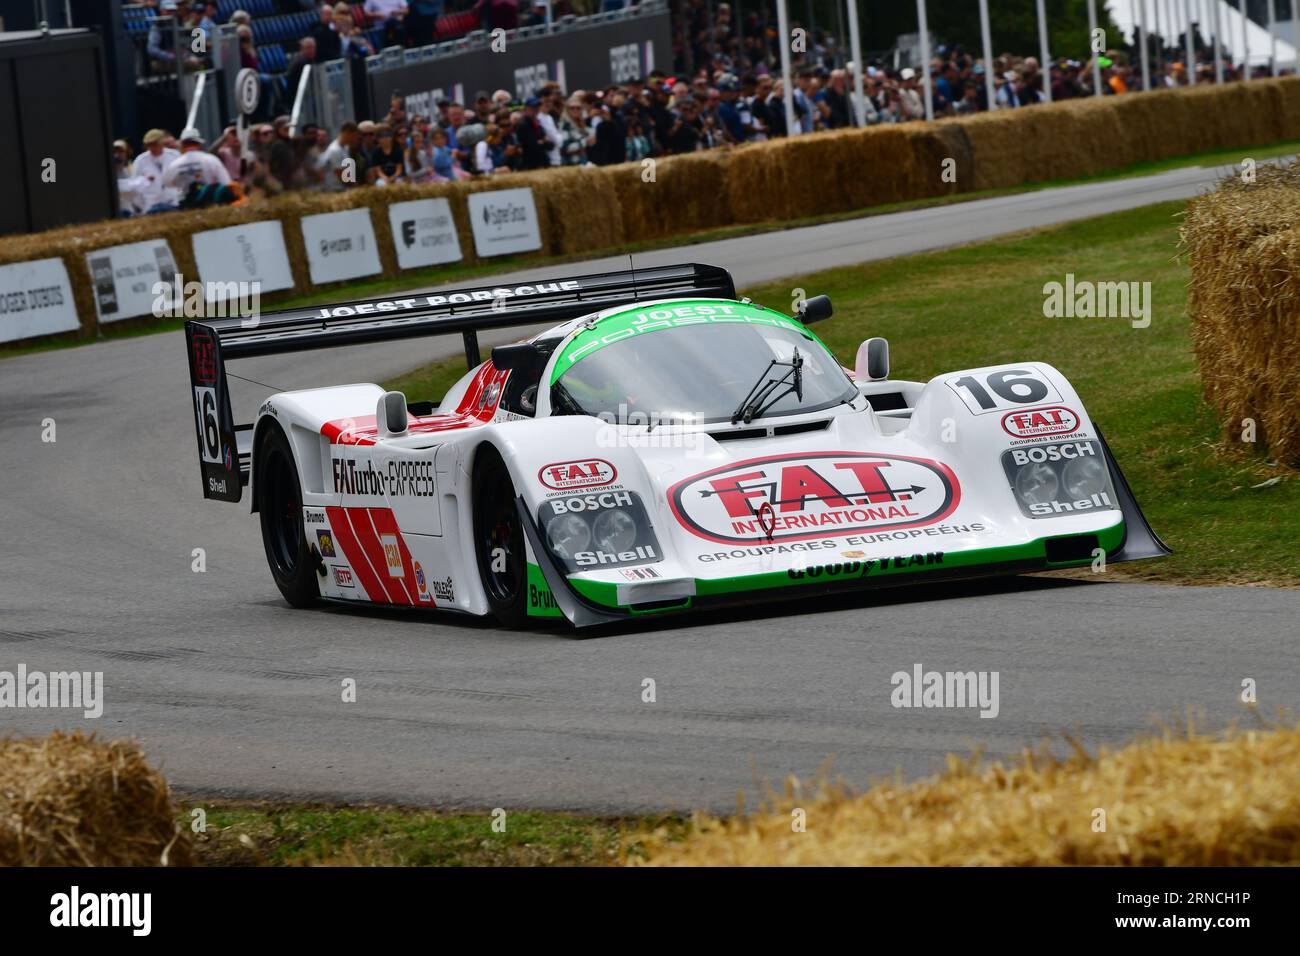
(698, 371)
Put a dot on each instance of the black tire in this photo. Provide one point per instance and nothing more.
(292, 560)
(497, 526)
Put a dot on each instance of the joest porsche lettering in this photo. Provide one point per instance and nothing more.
(812, 495)
(381, 306)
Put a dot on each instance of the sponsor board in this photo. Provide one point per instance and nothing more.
(807, 496)
(124, 278)
(1061, 478)
(340, 245)
(36, 299)
(504, 221)
(251, 252)
(580, 473)
(424, 233)
(1041, 422)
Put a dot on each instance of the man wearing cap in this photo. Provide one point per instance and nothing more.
(194, 165)
(150, 167)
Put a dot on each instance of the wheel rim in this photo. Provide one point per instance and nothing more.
(500, 531)
(282, 512)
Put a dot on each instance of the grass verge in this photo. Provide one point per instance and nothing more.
(982, 304)
(283, 834)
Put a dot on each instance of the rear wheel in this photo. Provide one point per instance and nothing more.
(292, 561)
(499, 540)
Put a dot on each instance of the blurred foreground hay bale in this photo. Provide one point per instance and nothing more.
(1243, 242)
(72, 800)
(1182, 799)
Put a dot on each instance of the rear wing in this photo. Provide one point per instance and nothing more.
(225, 448)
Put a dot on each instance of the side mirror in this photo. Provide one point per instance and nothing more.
(872, 363)
(815, 309)
(390, 414)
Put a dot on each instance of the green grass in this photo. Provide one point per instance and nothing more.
(982, 305)
(460, 272)
(265, 834)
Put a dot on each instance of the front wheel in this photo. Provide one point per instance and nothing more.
(499, 540)
(279, 505)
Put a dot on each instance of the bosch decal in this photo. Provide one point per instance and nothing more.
(814, 496)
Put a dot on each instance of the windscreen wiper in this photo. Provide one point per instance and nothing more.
(756, 403)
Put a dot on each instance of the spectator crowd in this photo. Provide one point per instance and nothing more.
(733, 96)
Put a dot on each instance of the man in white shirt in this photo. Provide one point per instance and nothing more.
(552, 106)
(149, 168)
(336, 163)
(194, 165)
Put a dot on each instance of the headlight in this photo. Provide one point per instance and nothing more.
(1084, 477)
(1036, 484)
(614, 531)
(567, 535)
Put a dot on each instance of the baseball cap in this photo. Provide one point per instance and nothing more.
(367, 126)
(282, 121)
(154, 136)
(908, 73)
(191, 135)
(532, 101)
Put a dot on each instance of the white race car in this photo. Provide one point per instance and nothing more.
(666, 447)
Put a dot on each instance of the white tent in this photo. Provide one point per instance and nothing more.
(1173, 21)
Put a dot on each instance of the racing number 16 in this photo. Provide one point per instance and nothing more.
(208, 427)
(1009, 387)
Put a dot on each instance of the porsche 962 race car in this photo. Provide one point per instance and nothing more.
(665, 447)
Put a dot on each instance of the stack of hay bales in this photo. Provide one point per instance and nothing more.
(1243, 241)
(72, 800)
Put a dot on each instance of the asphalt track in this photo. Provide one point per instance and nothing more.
(235, 693)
